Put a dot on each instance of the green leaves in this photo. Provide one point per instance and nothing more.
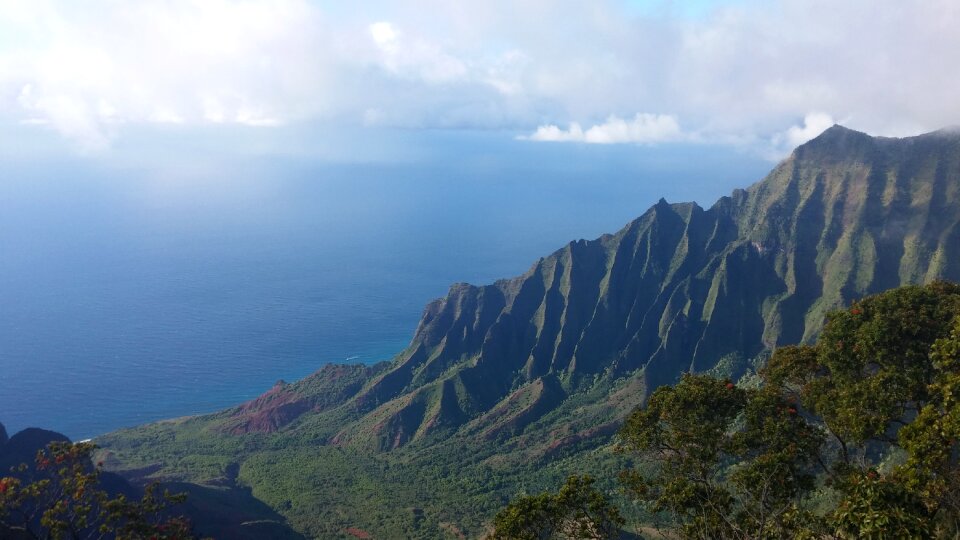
(61, 497)
(878, 508)
(576, 511)
(883, 380)
(874, 359)
(732, 462)
(690, 418)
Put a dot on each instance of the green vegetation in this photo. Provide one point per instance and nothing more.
(323, 490)
(853, 437)
(508, 389)
(61, 497)
(576, 511)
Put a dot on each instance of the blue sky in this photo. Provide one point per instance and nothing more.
(758, 76)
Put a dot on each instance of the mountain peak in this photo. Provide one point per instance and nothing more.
(836, 143)
(843, 140)
(837, 133)
(838, 129)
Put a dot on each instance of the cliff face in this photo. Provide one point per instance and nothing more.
(681, 288)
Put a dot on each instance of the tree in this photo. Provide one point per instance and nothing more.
(853, 437)
(730, 462)
(61, 497)
(576, 511)
(881, 380)
(930, 440)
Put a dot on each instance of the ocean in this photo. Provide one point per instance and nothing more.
(130, 294)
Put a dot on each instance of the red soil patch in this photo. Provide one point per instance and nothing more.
(358, 533)
(269, 412)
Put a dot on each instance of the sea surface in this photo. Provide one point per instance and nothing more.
(130, 294)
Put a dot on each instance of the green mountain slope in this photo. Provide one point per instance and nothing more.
(503, 386)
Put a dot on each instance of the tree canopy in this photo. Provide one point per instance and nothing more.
(577, 510)
(61, 497)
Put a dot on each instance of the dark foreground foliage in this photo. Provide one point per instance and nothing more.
(578, 510)
(61, 497)
(853, 437)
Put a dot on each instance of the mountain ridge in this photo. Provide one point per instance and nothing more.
(543, 366)
(680, 262)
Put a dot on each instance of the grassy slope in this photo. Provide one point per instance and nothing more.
(416, 491)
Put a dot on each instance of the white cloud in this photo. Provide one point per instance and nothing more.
(743, 71)
(415, 58)
(70, 116)
(86, 71)
(780, 144)
(384, 35)
(813, 124)
(643, 128)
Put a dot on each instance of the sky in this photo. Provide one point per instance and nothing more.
(90, 78)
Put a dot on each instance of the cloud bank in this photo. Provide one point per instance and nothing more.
(766, 74)
(643, 128)
(813, 124)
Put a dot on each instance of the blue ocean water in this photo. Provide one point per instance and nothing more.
(132, 294)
